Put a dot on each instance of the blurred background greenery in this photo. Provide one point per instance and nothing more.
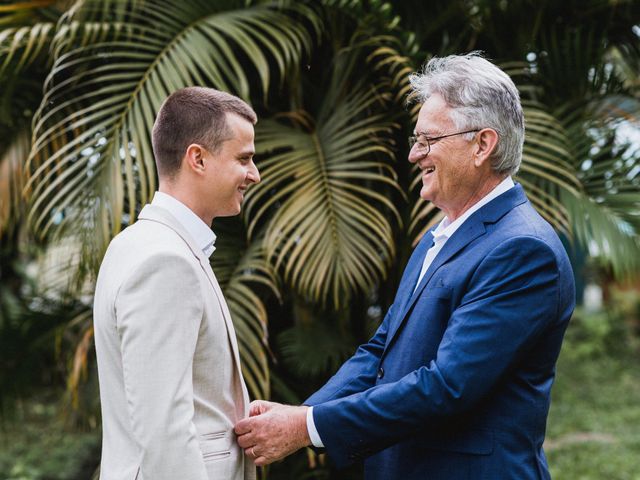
(312, 264)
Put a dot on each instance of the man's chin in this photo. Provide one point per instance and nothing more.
(426, 194)
(231, 212)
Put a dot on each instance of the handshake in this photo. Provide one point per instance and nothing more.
(272, 431)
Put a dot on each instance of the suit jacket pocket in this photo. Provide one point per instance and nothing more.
(475, 442)
(215, 446)
(436, 291)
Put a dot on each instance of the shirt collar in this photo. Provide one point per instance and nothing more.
(193, 224)
(445, 228)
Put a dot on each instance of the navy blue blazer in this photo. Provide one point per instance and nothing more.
(456, 382)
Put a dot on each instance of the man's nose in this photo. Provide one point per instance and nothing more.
(415, 154)
(254, 174)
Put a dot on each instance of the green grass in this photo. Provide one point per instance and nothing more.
(36, 445)
(593, 431)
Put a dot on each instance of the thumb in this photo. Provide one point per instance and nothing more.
(258, 407)
(243, 426)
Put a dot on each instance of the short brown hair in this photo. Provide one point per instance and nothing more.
(193, 115)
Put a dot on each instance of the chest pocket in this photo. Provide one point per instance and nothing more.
(435, 303)
(417, 337)
(436, 291)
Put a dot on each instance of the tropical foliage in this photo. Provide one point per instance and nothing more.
(313, 262)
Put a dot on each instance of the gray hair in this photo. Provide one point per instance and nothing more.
(480, 96)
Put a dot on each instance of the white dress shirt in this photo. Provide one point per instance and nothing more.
(441, 234)
(193, 224)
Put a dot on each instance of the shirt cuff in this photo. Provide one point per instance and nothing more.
(313, 432)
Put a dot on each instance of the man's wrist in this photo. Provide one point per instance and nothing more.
(301, 422)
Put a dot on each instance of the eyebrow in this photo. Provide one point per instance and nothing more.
(429, 133)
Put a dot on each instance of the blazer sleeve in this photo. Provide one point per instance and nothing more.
(159, 309)
(512, 297)
(359, 372)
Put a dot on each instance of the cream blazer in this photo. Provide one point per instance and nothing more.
(171, 388)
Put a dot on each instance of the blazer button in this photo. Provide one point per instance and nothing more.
(380, 372)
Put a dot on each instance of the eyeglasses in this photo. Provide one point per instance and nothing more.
(423, 148)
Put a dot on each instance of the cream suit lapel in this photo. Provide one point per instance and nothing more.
(158, 214)
(231, 332)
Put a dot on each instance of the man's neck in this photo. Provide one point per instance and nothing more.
(187, 199)
(482, 191)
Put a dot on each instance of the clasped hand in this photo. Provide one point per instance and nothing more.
(272, 431)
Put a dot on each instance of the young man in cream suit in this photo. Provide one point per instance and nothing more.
(170, 382)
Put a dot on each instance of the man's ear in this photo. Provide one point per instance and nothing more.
(487, 141)
(194, 158)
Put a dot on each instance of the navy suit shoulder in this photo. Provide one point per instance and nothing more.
(468, 357)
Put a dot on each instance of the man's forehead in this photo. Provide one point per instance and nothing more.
(429, 125)
(433, 117)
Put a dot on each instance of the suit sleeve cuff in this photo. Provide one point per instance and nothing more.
(313, 432)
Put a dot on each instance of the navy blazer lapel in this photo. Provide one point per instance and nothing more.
(468, 232)
(410, 276)
(465, 234)
(471, 229)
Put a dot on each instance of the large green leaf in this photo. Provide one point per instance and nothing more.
(312, 349)
(330, 231)
(599, 227)
(243, 271)
(22, 46)
(91, 166)
(595, 103)
(606, 216)
(328, 178)
(24, 43)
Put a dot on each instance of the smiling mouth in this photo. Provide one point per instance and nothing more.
(429, 170)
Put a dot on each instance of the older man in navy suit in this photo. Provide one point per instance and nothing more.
(456, 382)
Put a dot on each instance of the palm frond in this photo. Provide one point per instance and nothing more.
(24, 60)
(243, 272)
(314, 349)
(587, 74)
(22, 46)
(605, 234)
(607, 215)
(91, 165)
(330, 232)
(387, 59)
(547, 165)
(572, 70)
(324, 200)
